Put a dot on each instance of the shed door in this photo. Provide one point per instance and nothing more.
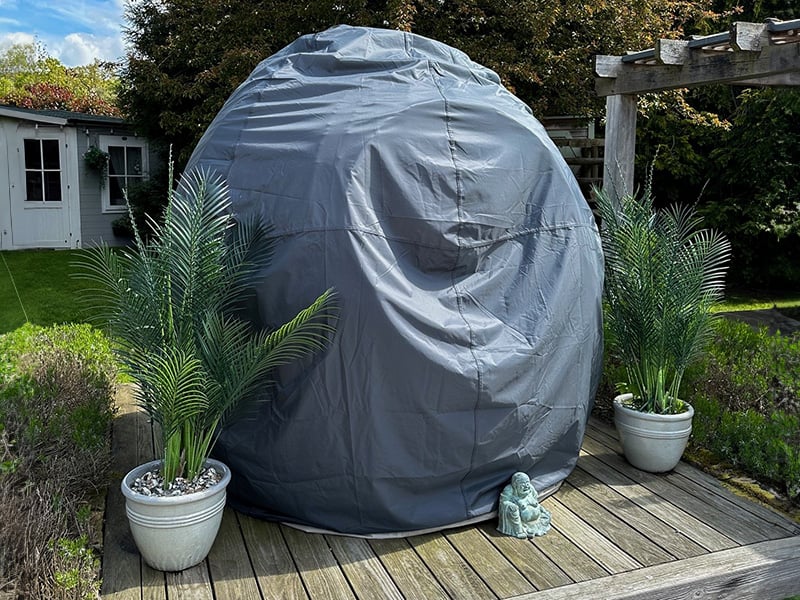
(39, 190)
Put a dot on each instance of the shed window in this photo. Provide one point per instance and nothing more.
(42, 170)
(127, 166)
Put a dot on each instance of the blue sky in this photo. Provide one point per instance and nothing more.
(74, 31)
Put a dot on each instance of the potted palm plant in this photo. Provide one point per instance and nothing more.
(663, 275)
(170, 303)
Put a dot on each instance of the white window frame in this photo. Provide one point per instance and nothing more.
(128, 141)
(42, 170)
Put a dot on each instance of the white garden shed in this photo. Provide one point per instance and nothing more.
(48, 197)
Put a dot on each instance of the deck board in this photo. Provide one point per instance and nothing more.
(229, 563)
(275, 571)
(449, 567)
(569, 557)
(192, 584)
(617, 533)
(489, 563)
(528, 559)
(317, 565)
(664, 536)
(612, 527)
(410, 574)
(591, 541)
(363, 569)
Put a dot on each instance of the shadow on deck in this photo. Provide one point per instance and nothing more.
(618, 533)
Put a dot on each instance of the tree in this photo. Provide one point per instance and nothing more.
(733, 151)
(31, 79)
(188, 57)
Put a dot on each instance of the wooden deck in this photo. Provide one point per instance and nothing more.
(618, 533)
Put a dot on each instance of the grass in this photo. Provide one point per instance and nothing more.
(46, 289)
(737, 300)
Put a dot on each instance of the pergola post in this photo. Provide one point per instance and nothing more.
(620, 145)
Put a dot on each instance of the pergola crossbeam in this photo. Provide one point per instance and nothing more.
(615, 76)
(754, 54)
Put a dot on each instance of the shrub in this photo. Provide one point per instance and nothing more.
(56, 386)
(746, 398)
(765, 446)
(751, 369)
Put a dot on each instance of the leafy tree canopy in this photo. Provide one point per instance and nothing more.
(29, 78)
(188, 56)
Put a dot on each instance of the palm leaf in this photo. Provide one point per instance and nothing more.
(169, 303)
(663, 275)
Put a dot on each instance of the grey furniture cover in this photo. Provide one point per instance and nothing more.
(469, 274)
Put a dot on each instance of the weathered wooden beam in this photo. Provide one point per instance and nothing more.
(749, 37)
(782, 80)
(620, 146)
(701, 68)
(767, 570)
(672, 52)
(608, 66)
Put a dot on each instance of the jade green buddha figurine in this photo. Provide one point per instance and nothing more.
(520, 513)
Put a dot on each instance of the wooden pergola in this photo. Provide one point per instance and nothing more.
(750, 54)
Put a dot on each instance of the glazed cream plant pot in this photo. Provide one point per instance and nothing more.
(175, 532)
(652, 442)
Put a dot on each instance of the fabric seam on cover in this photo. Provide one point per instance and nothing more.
(459, 299)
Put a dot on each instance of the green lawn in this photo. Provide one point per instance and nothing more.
(751, 300)
(48, 293)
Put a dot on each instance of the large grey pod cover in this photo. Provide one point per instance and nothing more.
(469, 275)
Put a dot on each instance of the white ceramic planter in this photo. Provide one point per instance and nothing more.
(651, 442)
(176, 532)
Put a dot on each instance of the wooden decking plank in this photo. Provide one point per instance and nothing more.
(683, 522)
(761, 529)
(121, 564)
(229, 564)
(449, 568)
(154, 583)
(527, 558)
(612, 527)
(605, 552)
(713, 484)
(407, 570)
(317, 566)
(764, 571)
(490, 565)
(274, 568)
(706, 512)
(569, 557)
(604, 433)
(607, 435)
(190, 584)
(366, 574)
(663, 535)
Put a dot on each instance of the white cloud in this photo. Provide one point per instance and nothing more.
(76, 32)
(9, 39)
(81, 49)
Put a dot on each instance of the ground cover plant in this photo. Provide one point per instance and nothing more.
(747, 401)
(42, 280)
(56, 387)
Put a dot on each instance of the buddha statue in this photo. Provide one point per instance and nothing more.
(520, 513)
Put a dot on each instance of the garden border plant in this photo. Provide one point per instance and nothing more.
(56, 389)
(748, 405)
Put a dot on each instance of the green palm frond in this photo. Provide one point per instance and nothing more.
(663, 275)
(170, 303)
